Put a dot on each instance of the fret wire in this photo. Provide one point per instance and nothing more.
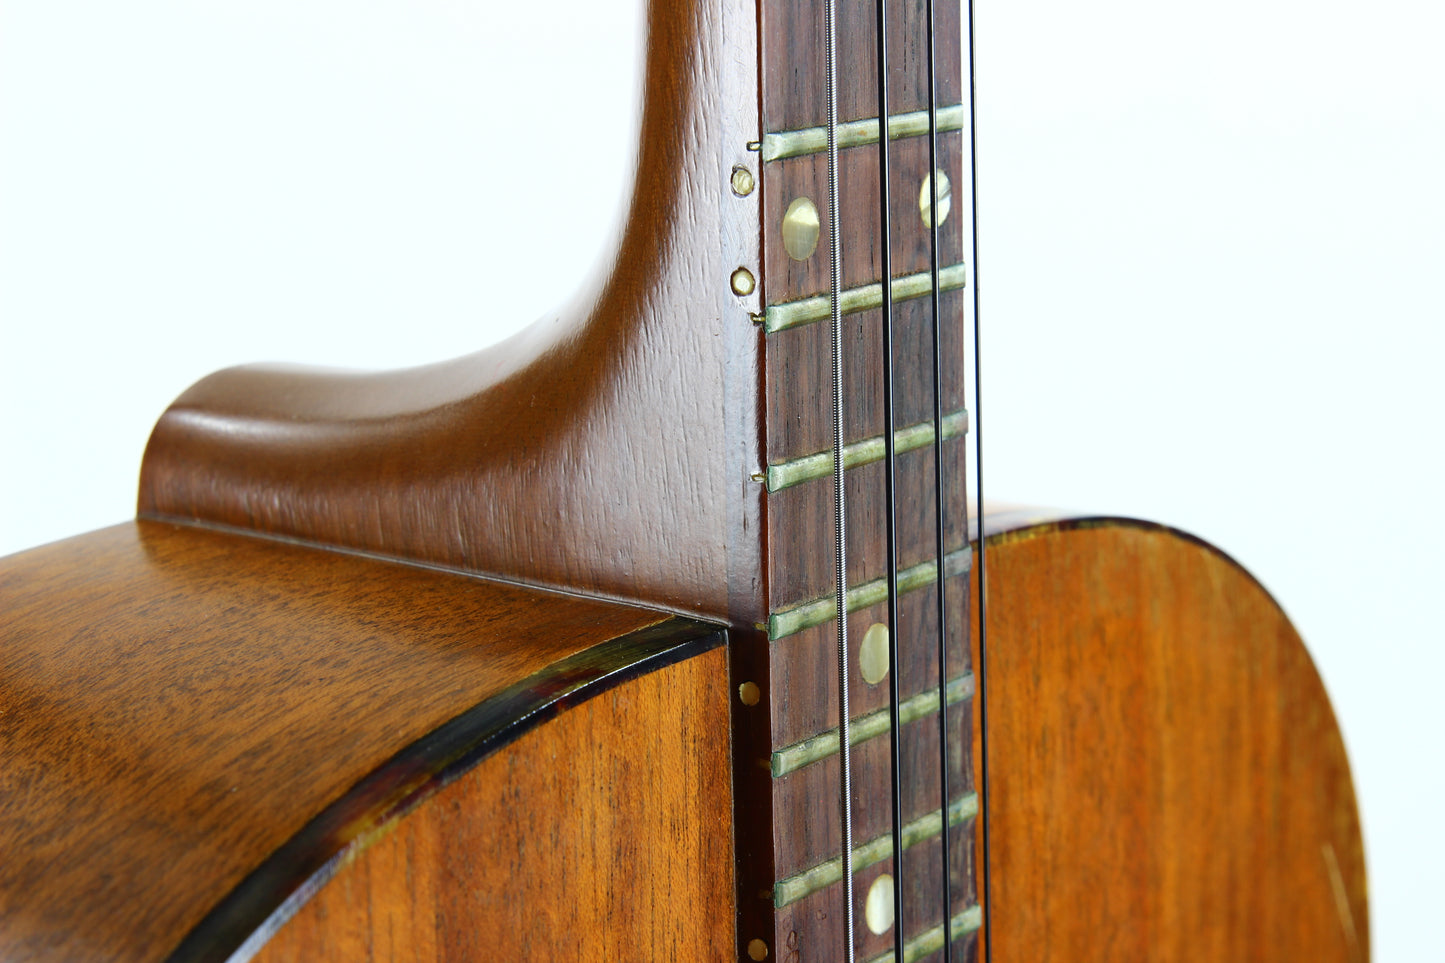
(895, 696)
(938, 479)
(980, 671)
(783, 144)
(840, 559)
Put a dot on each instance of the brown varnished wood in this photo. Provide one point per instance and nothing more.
(613, 449)
(608, 448)
(1167, 779)
(605, 835)
(1164, 757)
(794, 60)
(180, 705)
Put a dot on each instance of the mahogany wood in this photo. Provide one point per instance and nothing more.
(193, 724)
(605, 835)
(1168, 782)
(1166, 785)
(615, 448)
(609, 448)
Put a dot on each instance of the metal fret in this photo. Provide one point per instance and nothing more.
(865, 297)
(867, 726)
(788, 621)
(789, 473)
(857, 133)
(931, 940)
(872, 852)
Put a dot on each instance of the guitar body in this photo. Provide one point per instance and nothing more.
(532, 652)
(411, 765)
(1176, 790)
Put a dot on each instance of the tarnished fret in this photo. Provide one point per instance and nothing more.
(857, 133)
(865, 297)
(931, 940)
(868, 726)
(872, 852)
(788, 473)
(790, 620)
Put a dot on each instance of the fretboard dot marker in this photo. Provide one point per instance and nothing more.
(878, 908)
(749, 693)
(743, 282)
(873, 654)
(925, 199)
(757, 950)
(800, 229)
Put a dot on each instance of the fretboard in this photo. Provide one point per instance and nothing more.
(800, 918)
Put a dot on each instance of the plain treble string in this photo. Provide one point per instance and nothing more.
(840, 558)
(981, 695)
(885, 244)
(938, 482)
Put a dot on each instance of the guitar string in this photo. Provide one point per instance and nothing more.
(840, 558)
(981, 672)
(938, 478)
(895, 697)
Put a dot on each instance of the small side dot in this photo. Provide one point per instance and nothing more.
(742, 181)
(749, 693)
(757, 950)
(743, 282)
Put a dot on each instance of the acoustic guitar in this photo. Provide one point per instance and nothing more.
(663, 630)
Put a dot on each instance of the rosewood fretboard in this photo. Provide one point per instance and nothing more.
(795, 904)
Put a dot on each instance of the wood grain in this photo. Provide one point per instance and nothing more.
(192, 720)
(608, 448)
(794, 60)
(1168, 782)
(604, 835)
(222, 715)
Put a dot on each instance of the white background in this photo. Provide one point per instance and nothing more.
(1211, 273)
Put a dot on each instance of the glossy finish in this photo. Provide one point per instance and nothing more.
(608, 448)
(195, 723)
(1169, 777)
(605, 835)
(1168, 782)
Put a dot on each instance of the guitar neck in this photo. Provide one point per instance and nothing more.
(927, 419)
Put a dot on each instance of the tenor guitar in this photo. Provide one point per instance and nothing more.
(664, 630)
